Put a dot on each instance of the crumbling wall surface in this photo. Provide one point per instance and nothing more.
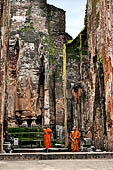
(78, 83)
(4, 6)
(1, 124)
(27, 64)
(26, 11)
(56, 29)
(35, 63)
(38, 15)
(73, 79)
(1, 74)
(86, 97)
(93, 118)
(26, 75)
(100, 41)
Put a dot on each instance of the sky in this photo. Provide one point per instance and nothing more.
(75, 13)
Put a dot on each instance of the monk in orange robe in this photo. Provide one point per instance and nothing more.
(47, 138)
(74, 138)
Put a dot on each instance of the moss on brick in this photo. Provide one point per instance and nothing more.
(42, 6)
(28, 11)
(78, 47)
(25, 129)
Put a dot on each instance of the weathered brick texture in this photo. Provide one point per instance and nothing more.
(86, 107)
(100, 19)
(33, 92)
(3, 62)
(36, 88)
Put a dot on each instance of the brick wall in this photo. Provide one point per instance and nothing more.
(3, 63)
(100, 46)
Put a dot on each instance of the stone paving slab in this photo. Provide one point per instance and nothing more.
(54, 155)
(75, 164)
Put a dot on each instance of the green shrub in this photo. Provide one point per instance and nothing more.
(25, 129)
(26, 134)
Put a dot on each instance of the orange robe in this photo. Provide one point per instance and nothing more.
(47, 137)
(75, 144)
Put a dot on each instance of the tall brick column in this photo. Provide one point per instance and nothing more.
(3, 61)
(0, 81)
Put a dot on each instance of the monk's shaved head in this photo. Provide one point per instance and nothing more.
(74, 128)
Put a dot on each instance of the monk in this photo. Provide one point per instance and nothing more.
(47, 137)
(74, 138)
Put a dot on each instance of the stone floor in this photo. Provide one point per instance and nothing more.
(106, 164)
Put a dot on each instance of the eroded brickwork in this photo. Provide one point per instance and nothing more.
(1, 123)
(36, 37)
(100, 19)
(37, 89)
(31, 84)
(3, 64)
(27, 54)
(86, 102)
(73, 79)
(93, 100)
(57, 37)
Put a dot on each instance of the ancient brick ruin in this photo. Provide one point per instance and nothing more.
(3, 62)
(92, 107)
(46, 79)
(100, 41)
(31, 64)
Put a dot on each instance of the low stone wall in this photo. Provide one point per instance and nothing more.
(52, 156)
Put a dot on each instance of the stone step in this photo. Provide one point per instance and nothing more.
(31, 150)
(54, 155)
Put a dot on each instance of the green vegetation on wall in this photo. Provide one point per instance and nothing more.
(64, 63)
(30, 133)
(78, 47)
(26, 133)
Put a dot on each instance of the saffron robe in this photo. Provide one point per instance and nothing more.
(74, 137)
(47, 137)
